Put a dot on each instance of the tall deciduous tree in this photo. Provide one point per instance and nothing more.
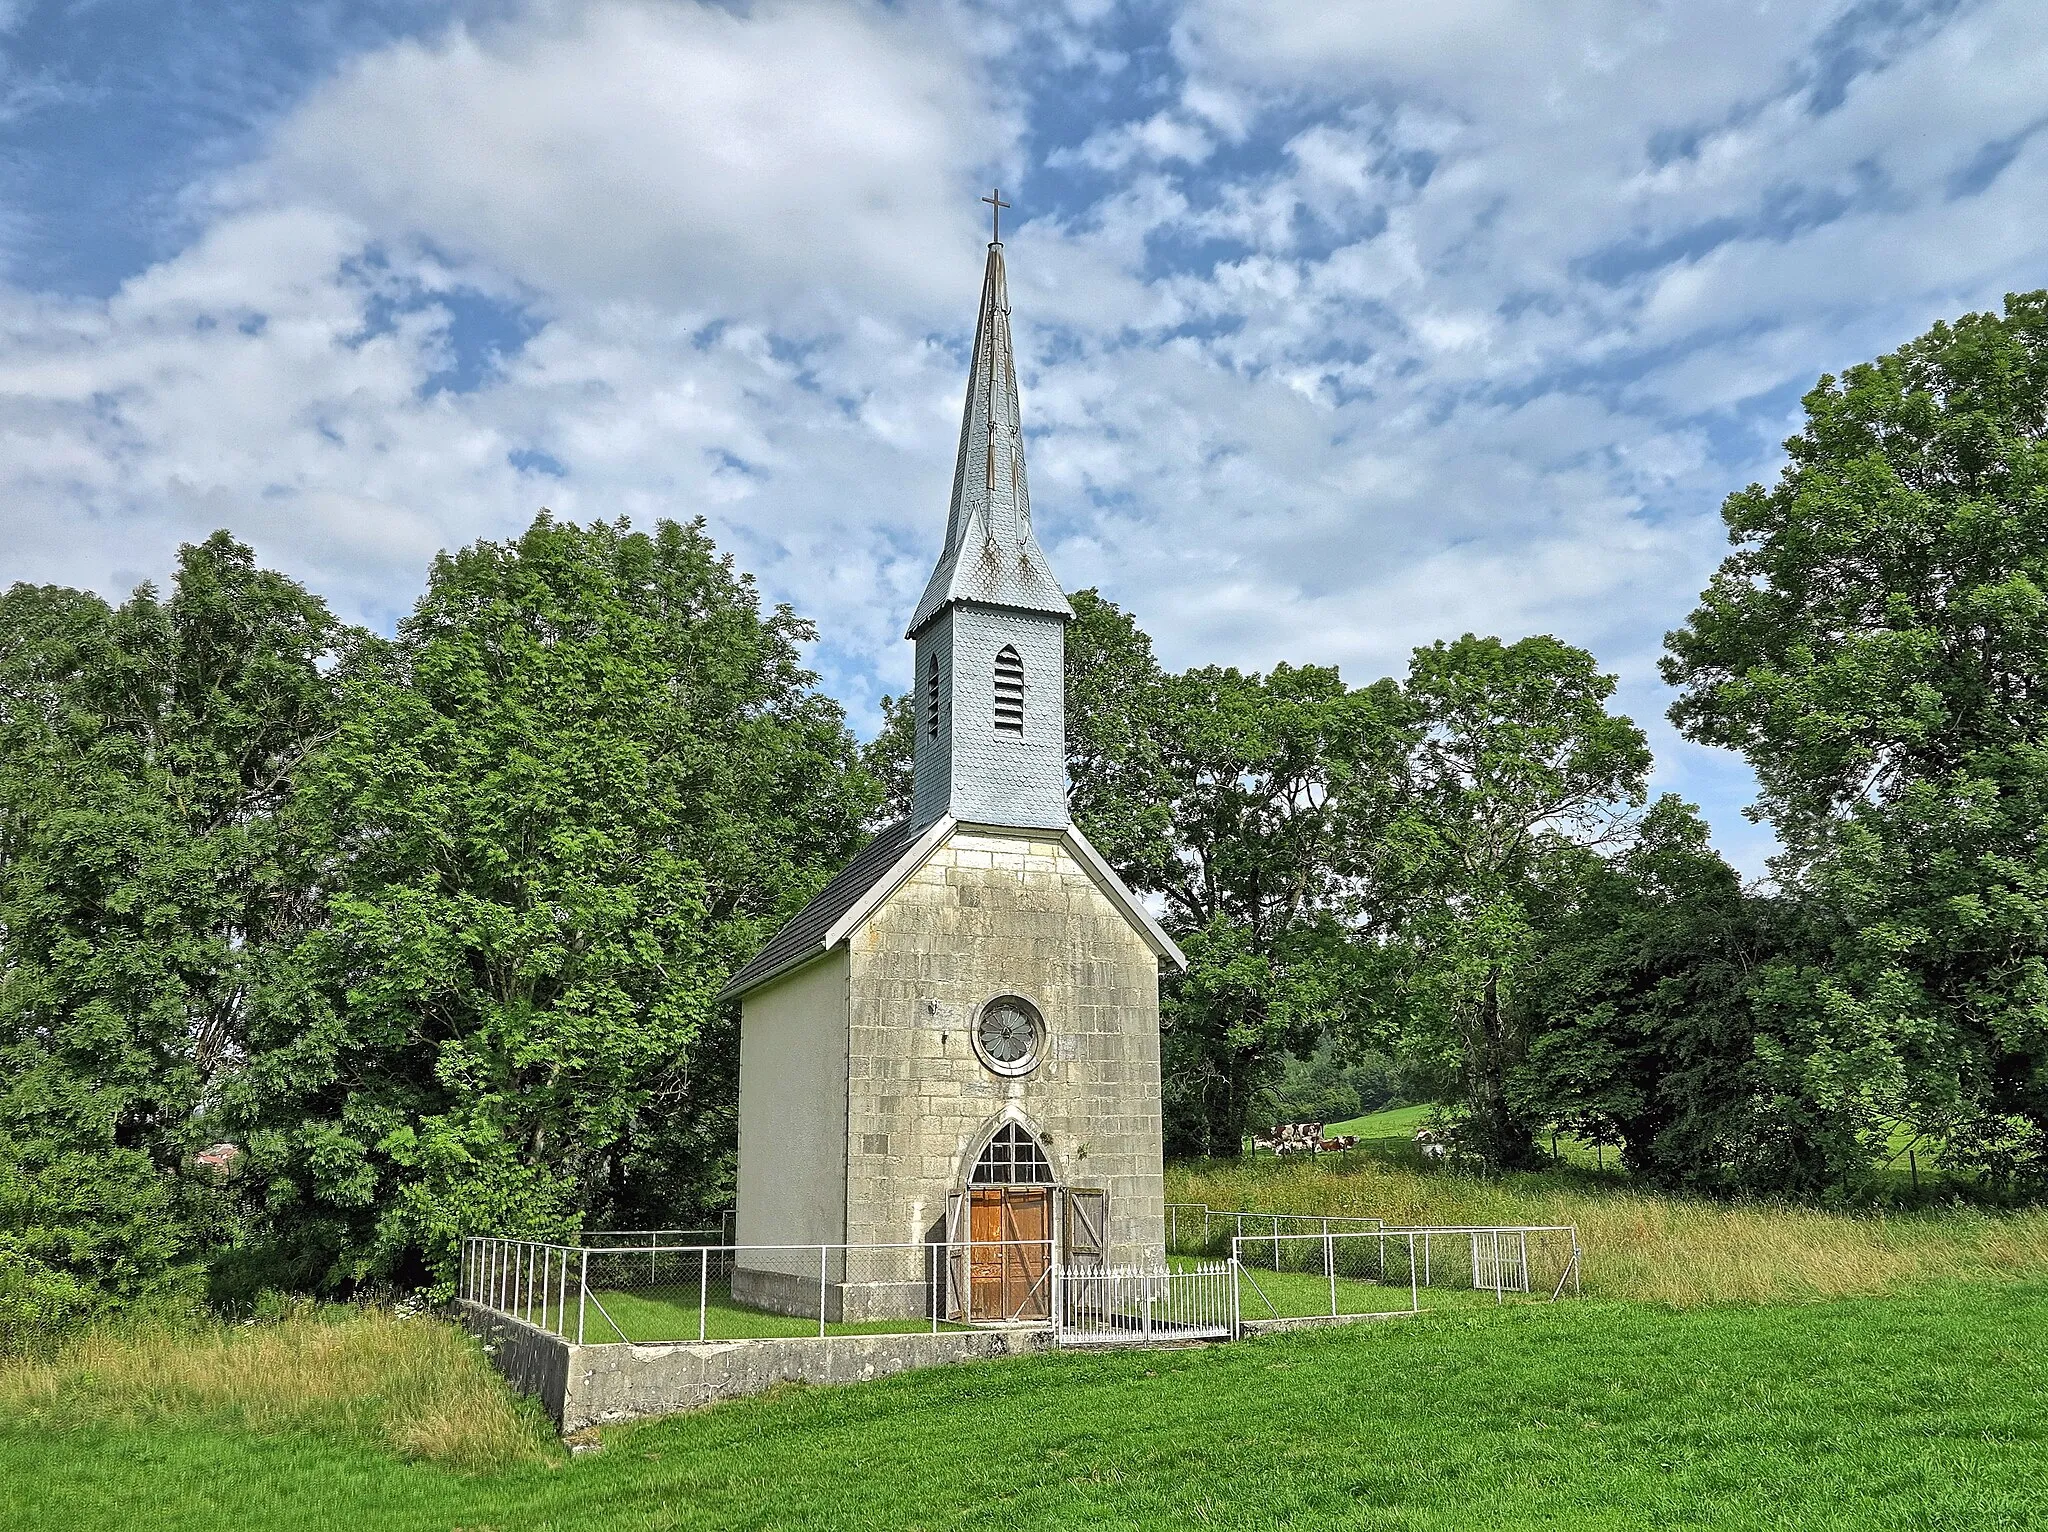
(1277, 788)
(1640, 1006)
(1516, 758)
(146, 779)
(1877, 647)
(591, 779)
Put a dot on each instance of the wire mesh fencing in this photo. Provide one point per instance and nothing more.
(1193, 1229)
(595, 1294)
(1358, 1274)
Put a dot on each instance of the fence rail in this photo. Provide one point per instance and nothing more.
(619, 1287)
(1342, 1275)
(1195, 1229)
(594, 1293)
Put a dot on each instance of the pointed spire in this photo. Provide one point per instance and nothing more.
(991, 555)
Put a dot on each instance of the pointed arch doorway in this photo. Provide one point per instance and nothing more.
(1003, 1231)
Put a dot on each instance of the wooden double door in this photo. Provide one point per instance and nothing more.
(1009, 1252)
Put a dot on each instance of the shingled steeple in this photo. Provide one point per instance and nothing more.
(990, 553)
(991, 629)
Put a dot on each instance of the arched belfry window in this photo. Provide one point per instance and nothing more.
(1009, 691)
(931, 696)
(1013, 1158)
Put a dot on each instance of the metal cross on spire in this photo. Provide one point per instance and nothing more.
(996, 204)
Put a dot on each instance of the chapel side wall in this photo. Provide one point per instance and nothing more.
(792, 1149)
(992, 913)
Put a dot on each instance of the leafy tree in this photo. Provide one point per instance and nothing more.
(1642, 1009)
(1326, 1086)
(1277, 787)
(1877, 647)
(889, 757)
(149, 761)
(1118, 705)
(1516, 761)
(589, 780)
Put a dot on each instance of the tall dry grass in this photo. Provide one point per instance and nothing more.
(414, 1384)
(1650, 1248)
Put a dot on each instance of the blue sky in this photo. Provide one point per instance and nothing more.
(1343, 327)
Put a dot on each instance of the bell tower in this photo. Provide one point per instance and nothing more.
(991, 628)
(949, 1057)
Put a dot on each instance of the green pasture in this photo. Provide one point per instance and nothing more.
(1917, 1411)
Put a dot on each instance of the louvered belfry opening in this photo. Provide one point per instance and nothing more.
(931, 697)
(1009, 691)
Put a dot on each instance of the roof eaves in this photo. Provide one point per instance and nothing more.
(1134, 909)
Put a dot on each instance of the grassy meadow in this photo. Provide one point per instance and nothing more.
(1640, 1246)
(1917, 1411)
(1730, 1367)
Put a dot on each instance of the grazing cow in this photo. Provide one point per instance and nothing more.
(1300, 1137)
(1431, 1143)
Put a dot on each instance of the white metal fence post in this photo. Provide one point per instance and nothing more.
(1414, 1293)
(1330, 1266)
(582, 1293)
(562, 1296)
(703, 1290)
(821, 1290)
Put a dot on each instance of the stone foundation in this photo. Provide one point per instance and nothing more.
(583, 1386)
(781, 1292)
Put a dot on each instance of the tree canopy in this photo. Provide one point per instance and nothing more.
(432, 928)
(584, 784)
(1876, 647)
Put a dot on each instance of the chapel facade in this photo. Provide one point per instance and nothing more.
(955, 1045)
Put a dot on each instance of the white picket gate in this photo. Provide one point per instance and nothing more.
(1130, 1306)
(1500, 1261)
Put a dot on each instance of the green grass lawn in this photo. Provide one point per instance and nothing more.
(1396, 1122)
(1921, 1410)
(670, 1313)
(1392, 1132)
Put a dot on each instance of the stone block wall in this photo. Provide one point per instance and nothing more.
(993, 913)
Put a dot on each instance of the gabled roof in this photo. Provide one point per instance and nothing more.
(883, 865)
(802, 936)
(991, 554)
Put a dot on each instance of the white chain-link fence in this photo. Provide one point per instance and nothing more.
(607, 1289)
(1339, 1274)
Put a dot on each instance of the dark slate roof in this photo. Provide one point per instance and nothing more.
(802, 937)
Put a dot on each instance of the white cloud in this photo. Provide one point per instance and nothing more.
(1365, 328)
(773, 161)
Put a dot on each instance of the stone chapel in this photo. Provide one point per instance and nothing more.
(955, 1045)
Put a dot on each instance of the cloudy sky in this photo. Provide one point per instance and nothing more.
(1343, 327)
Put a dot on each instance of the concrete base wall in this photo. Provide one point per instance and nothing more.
(780, 1292)
(582, 1386)
(532, 1360)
